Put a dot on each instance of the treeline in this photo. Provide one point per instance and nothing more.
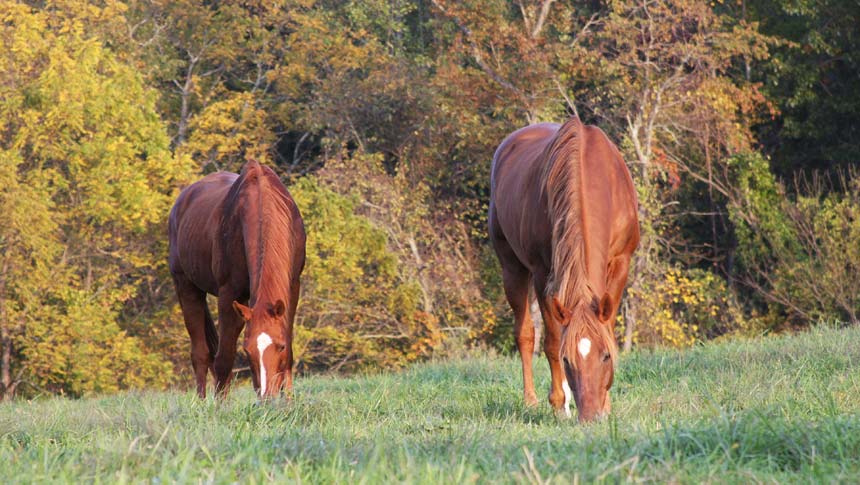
(737, 119)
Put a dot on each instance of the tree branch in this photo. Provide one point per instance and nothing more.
(476, 50)
(544, 12)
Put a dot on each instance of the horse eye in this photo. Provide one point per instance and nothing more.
(281, 348)
(606, 357)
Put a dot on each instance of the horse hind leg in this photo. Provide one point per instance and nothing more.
(230, 326)
(516, 282)
(192, 300)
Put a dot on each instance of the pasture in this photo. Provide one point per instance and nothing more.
(782, 409)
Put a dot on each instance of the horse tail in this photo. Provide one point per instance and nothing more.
(211, 333)
(562, 183)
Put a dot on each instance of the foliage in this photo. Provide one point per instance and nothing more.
(810, 77)
(766, 410)
(227, 132)
(800, 254)
(83, 351)
(683, 307)
(95, 175)
(431, 245)
(355, 313)
(388, 282)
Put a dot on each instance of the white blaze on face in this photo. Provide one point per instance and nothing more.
(584, 347)
(263, 342)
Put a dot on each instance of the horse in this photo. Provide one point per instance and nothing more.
(241, 238)
(563, 217)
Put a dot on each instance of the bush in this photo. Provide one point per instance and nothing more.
(683, 306)
(355, 312)
(801, 254)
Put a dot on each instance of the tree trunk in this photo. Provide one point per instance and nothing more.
(6, 388)
(629, 325)
(424, 285)
(182, 128)
(185, 106)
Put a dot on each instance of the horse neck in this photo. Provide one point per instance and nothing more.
(264, 220)
(562, 184)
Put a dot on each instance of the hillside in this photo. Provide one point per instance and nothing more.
(783, 409)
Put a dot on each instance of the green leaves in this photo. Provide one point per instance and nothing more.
(354, 306)
(88, 176)
(800, 253)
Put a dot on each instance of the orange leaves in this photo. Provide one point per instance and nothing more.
(670, 167)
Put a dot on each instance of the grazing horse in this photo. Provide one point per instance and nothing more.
(563, 217)
(241, 238)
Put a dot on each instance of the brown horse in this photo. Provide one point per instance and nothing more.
(239, 237)
(563, 216)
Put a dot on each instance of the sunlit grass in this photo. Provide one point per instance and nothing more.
(780, 409)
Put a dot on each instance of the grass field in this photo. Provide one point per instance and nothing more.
(781, 409)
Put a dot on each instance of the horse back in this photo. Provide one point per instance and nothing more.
(193, 229)
(516, 213)
(519, 152)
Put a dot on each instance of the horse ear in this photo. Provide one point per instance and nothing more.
(278, 309)
(560, 312)
(242, 310)
(604, 309)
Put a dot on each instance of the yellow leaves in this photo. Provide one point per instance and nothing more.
(228, 131)
(79, 349)
(93, 175)
(679, 306)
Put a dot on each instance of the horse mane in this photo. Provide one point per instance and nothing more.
(562, 181)
(272, 225)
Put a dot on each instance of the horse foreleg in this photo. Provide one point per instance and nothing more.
(616, 279)
(291, 316)
(558, 397)
(230, 325)
(192, 300)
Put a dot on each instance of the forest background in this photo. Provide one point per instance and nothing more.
(738, 120)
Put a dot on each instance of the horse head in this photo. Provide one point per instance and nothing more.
(266, 345)
(588, 353)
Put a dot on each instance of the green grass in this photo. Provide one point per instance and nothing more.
(774, 410)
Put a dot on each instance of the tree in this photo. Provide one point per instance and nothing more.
(799, 253)
(86, 153)
(811, 78)
(663, 83)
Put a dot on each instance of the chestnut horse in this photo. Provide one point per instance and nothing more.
(241, 238)
(563, 217)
